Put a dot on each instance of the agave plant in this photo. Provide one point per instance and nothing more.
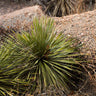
(42, 56)
(60, 7)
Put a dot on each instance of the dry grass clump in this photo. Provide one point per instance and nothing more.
(60, 7)
(85, 5)
(66, 7)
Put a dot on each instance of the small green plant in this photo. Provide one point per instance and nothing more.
(42, 56)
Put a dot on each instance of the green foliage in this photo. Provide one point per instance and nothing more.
(41, 57)
(8, 73)
(8, 84)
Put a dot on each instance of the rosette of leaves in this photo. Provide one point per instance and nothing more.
(43, 56)
(60, 7)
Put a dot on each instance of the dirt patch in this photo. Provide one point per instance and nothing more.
(8, 7)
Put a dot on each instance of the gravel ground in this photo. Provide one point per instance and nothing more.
(82, 26)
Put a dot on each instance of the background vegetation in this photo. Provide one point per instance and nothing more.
(62, 7)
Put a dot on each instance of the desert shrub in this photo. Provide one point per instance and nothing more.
(60, 7)
(42, 56)
(66, 7)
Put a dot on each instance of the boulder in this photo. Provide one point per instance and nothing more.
(20, 18)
